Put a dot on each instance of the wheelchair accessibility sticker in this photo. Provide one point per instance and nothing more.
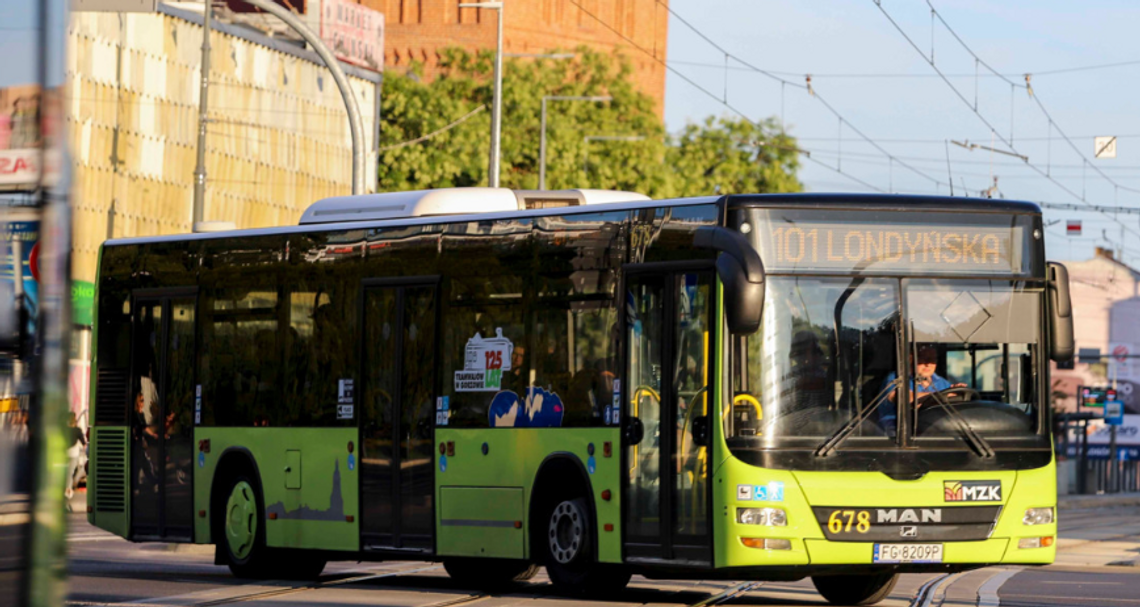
(772, 492)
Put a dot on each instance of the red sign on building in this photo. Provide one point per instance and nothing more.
(355, 33)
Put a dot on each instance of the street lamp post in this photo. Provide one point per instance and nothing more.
(542, 130)
(497, 102)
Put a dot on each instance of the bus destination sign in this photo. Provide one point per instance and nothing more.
(878, 249)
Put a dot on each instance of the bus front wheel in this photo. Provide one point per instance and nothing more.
(855, 589)
(570, 550)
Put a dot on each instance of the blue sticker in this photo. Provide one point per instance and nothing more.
(443, 463)
(351, 462)
(541, 409)
(446, 406)
(591, 465)
(201, 459)
(772, 492)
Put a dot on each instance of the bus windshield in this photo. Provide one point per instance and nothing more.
(956, 355)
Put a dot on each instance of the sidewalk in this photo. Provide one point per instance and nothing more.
(1105, 500)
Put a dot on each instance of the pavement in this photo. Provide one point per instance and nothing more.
(1098, 564)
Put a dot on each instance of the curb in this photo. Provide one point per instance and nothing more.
(1088, 502)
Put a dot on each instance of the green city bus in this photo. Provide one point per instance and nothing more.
(749, 387)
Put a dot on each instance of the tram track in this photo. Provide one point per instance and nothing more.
(181, 600)
(933, 592)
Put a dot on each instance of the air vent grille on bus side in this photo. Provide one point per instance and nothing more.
(110, 456)
(111, 397)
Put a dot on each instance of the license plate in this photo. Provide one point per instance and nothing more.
(908, 553)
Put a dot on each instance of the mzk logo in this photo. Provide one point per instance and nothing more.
(972, 491)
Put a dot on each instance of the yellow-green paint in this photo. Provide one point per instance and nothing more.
(321, 455)
(512, 460)
(1020, 490)
(482, 521)
(117, 438)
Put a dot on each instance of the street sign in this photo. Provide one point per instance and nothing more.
(1093, 396)
(1114, 413)
(1105, 147)
(1120, 353)
(1088, 355)
(1073, 227)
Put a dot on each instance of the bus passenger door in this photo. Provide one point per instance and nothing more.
(668, 376)
(162, 416)
(398, 408)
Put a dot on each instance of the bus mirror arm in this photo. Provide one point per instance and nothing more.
(1061, 345)
(742, 273)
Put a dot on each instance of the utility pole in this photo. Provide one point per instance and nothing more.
(542, 130)
(497, 102)
(355, 122)
(203, 118)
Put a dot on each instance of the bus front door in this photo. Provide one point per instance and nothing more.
(668, 373)
(162, 416)
(398, 408)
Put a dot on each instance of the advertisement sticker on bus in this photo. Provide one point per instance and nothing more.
(484, 362)
(541, 409)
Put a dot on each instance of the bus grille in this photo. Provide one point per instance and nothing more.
(111, 389)
(110, 469)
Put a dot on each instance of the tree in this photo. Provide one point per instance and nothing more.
(734, 155)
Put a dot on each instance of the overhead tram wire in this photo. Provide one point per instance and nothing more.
(785, 82)
(722, 101)
(1032, 94)
(1006, 142)
(876, 75)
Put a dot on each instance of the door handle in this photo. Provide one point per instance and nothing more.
(288, 468)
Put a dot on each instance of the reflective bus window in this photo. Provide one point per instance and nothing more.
(976, 344)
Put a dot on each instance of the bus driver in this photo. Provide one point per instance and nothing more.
(925, 383)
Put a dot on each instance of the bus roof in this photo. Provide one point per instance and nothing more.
(885, 202)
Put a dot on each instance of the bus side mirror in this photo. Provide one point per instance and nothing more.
(1061, 344)
(742, 274)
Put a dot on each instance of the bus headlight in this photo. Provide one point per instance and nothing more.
(1038, 516)
(772, 517)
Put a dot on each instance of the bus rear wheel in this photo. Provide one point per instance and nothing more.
(570, 550)
(243, 535)
(489, 573)
(855, 589)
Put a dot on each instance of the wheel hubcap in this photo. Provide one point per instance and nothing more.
(566, 531)
(241, 520)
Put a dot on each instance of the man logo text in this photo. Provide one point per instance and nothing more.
(908, 515)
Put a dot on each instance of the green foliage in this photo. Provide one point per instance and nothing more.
(721, 155)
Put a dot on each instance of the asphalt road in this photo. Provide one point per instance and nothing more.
(1098, 564)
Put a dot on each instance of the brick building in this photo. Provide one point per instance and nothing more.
(417, 29)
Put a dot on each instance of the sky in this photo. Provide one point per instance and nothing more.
(868, 73)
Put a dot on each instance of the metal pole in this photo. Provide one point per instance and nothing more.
(542, 128)
(497, 115)
(203, 119)
(542, 148)
(355, 122)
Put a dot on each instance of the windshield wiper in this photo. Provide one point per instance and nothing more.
(976, 441)
(841, 434)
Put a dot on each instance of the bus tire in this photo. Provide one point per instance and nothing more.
(243, 529)
(570, 552)
(489, 574)
(855, 589)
